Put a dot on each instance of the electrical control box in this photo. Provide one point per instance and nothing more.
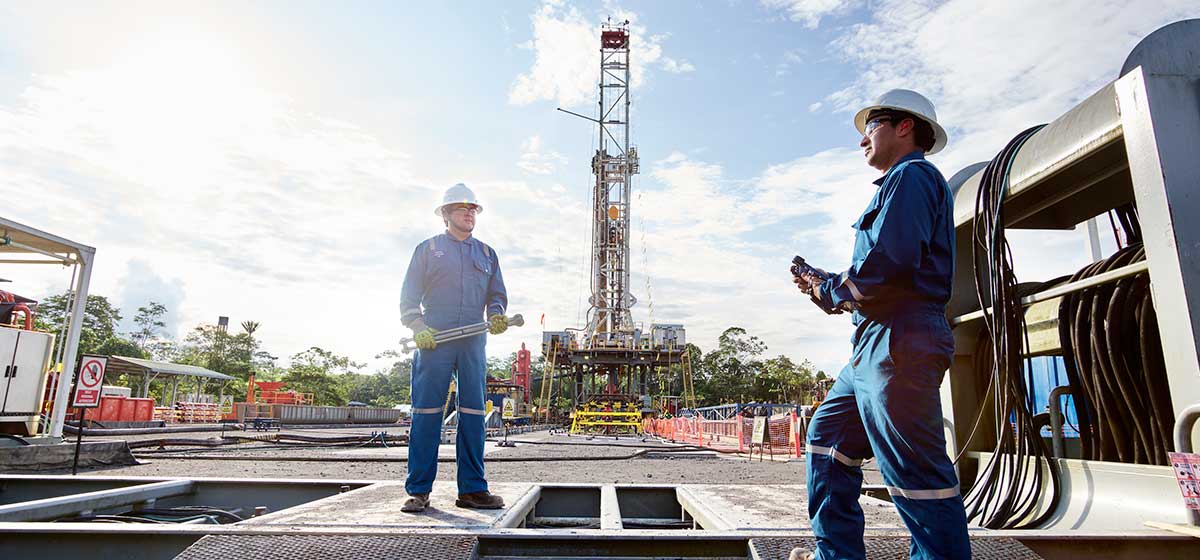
(665, 335)
(25, 357)
(557, 341)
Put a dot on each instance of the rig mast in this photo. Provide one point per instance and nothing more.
(608, 362)
(614, 165)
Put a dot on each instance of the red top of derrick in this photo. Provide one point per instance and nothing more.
(614, 38)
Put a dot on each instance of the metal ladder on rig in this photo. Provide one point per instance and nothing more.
(548, 381)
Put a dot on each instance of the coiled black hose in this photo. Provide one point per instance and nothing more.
(1009, 486)
(1113, 357)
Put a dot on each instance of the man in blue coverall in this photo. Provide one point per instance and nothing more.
(452, 280)
(885, 403)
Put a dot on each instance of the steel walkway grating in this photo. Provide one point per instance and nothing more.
(331, 547)
(889, 548)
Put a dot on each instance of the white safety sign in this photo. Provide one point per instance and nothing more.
(227, 404)
(90, 381)
(509, 409)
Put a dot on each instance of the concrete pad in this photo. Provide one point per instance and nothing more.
(40, 457)
(378, 505)
(748, 506)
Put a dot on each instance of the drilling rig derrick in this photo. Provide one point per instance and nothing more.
(612, 365)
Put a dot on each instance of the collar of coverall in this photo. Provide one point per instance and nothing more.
(915, 154)
(470, 237)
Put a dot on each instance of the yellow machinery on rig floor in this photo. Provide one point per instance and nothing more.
(612, 417)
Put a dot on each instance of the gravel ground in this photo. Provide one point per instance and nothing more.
(604, 460)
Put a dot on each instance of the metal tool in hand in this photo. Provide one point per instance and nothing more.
(799, 267)
(407, 345)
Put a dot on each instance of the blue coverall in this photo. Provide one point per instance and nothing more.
(885, 403)
(449, 284)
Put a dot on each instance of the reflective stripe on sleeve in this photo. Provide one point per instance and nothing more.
(411, 310)
(435, 410)
(938, 494)
(837, 455)
(858, 296)
(474, 411)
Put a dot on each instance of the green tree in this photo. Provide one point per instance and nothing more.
(387, 387)
(728, 372)
(784, 381)
(100, 321)
(322, 373)
(148, 321)
(212, 347)
(501, 368)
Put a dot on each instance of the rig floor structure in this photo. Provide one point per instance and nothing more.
(362, 519)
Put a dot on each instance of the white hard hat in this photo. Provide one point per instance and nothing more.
(910, 102)
(458, 194)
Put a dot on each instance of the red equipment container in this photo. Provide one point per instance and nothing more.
(128, 410)
(143, 410)
(110, 408)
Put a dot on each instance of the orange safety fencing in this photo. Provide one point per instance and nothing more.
(786, 433)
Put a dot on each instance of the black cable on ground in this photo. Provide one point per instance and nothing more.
(602, 444)
(16, 438)
(261, 458)
(282, 440)
(1010, 484)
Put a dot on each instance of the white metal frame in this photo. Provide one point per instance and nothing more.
(1134, 140)
(20, 239)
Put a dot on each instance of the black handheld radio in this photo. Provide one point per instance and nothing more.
(799, 267)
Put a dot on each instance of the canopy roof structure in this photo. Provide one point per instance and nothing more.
(21, 244)
(138, 366)
(18, 238)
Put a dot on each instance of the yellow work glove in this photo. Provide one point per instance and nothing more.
(424, 339)
(499, 324)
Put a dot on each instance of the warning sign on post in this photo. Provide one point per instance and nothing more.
(91, 379)
(760, 434)
(227, 404)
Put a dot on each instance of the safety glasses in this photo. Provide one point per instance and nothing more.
(874, 124)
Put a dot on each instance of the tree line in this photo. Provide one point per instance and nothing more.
(738, 369)
(332, 379)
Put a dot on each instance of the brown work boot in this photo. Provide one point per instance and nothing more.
(415, 503)
(479, 500)
(801, 554)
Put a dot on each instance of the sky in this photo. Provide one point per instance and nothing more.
(279, 161)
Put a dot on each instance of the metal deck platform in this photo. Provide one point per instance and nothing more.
(362, 519)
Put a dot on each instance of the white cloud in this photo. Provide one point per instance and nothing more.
(814, 107)
(790, 58)
(810, 12)
(566, 63)
(273, 214)
(142, 285)
(534, 161)
(713, 266)
(990, 69)
(677, 66)
(252, 205)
